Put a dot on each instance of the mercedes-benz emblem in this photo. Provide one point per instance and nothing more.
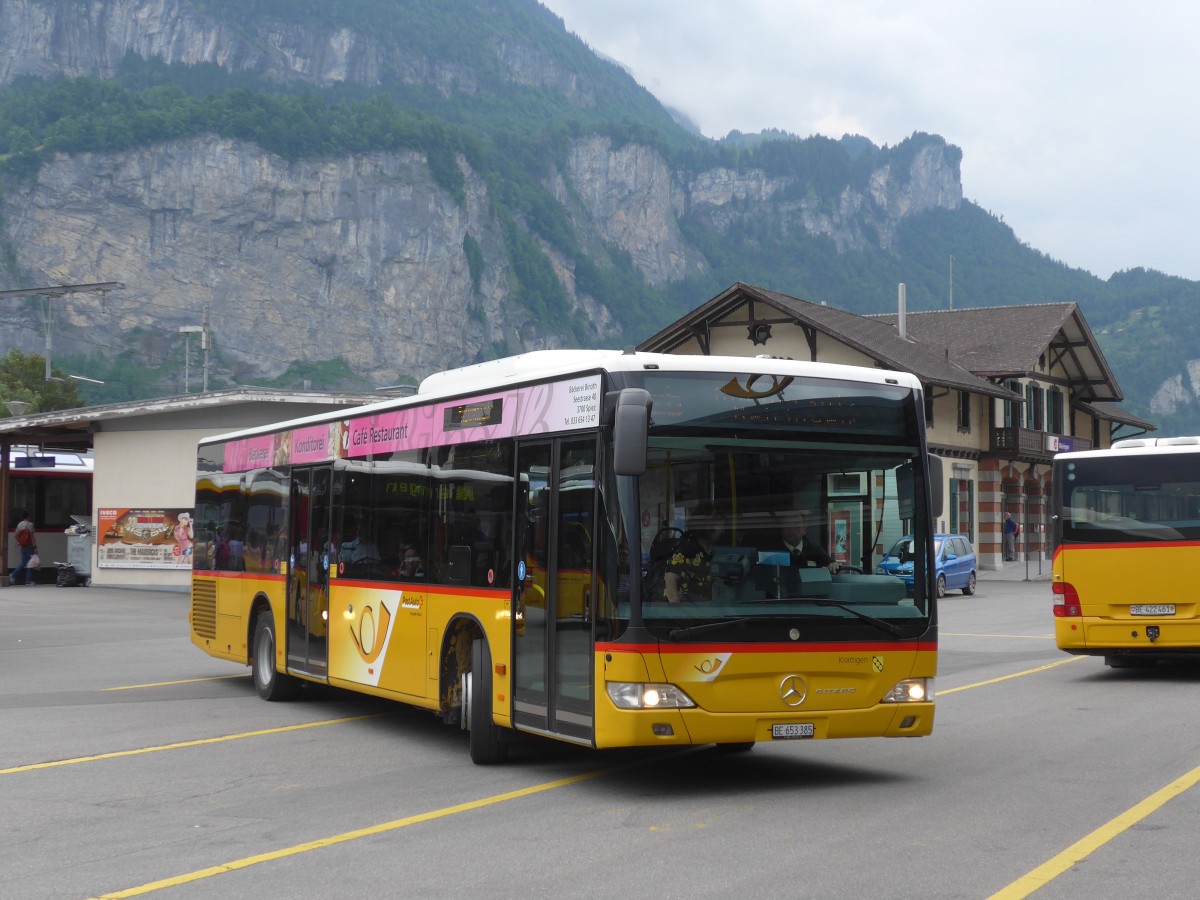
(793, 690)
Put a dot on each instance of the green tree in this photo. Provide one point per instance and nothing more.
(23, 378)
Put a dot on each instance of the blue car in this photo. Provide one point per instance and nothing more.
(954, 558)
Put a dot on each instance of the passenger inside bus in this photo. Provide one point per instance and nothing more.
(412, 568)
(360, 548)
(689, 569)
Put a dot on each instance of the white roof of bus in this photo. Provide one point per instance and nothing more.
(1138, 447)
(539, 365)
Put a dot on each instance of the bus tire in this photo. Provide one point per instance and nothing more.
(270, 684)
(487, 745)
(741, 747)
(1118, 661)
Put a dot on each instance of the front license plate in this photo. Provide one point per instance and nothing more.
(1152, 609)
(792, 730)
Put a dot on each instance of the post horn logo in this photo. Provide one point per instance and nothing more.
(774, 384)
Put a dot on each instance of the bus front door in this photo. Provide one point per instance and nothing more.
(308, 572)
(552, 643)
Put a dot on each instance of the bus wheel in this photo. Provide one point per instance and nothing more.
(970, 588)
(742, 747)
(941, 586)
(270, 684)
(1130, 662)
(487, 747)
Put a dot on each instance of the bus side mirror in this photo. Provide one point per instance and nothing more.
(631, 427)
(936, 486)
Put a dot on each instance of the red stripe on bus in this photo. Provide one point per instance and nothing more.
(1126, 545)
(789, 647)
(261, 576)
(440, 589)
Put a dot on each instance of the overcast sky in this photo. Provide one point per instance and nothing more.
(1078, 120)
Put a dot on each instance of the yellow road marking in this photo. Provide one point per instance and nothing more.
(247, 861)
(154, 684)
(1052, 868)
(967, 687)
(182, 744)
(1025, 885)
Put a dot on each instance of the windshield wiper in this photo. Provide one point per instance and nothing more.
(882, 625)
(894, 630)
(692, 629)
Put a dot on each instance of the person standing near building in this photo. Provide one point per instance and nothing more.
(1011, 530)
(26, 538)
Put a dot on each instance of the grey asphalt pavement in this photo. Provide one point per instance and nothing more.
(1034, 568)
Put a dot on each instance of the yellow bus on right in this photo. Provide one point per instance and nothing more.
(1126, 542)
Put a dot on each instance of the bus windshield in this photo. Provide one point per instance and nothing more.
(1121, 498)
(767, 504)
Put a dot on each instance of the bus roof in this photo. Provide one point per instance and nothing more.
(1138, 447)
(541, 365)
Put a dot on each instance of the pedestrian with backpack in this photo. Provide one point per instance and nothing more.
(27, 540)
(1012, 528)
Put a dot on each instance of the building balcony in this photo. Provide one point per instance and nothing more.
(1035, 446)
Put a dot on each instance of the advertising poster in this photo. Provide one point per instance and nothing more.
(844, 522)
(144, 539)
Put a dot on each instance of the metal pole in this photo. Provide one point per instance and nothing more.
(952, 281)
(46, 322)
(206, 340)
(5, 447)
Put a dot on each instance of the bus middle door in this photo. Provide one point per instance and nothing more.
(553, 648)
(312, 553)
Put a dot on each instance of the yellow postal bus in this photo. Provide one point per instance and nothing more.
(494, 549)
(1126, 530)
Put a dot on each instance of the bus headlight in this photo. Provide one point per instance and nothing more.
(635, 695)
(911, 690)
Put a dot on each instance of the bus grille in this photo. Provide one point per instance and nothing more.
(204, 608)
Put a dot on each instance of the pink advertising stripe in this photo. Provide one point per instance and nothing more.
(538, 409)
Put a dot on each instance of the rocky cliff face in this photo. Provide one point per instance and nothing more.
(361, 258)
(90, 37)
(1179, 391)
